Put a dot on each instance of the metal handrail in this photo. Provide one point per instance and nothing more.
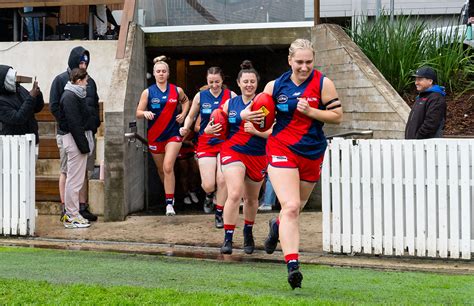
(354, 133)
(132, 136)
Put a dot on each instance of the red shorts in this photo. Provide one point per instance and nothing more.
(206, 150)
(280, 156)
(159, 147)
(255, 165)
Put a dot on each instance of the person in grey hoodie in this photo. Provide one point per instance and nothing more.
(78, 58)
(77, 142)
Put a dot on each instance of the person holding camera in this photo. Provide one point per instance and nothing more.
(18, 105)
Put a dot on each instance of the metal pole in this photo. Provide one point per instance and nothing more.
(15, 25)
(392, 10)
(317, 11)
(378, 8)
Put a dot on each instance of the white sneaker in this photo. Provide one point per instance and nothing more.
(75, 222)
(187, 200)
(170, 210)
(265, 207)
(194, 197)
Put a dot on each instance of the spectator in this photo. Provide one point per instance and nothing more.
(269, 197)
(77, 142)
(32, 25)
(428, 115)
(17, 105)
(78, 58)
(470, 11)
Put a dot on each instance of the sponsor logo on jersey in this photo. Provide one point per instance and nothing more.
(206, 105)
(152, 147)
(282, 99)
(155, 100)
(200, 153)
(232, 113)
(296, 94)
(173, 100)
(216, 102)
(279, 159)
(225, 158)
(311, 99)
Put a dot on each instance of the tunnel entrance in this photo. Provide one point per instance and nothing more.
(188, 67)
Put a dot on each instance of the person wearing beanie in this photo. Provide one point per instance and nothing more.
(428, 114)
(18, 106)
(78, 58)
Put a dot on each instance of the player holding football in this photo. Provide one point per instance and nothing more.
(159, 105)
(243, 158)
(209, 146)
(305, 99)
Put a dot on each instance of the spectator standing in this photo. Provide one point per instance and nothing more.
(77, 142)
(428, 114)
(78, 58)
(32, 25)
(18, 106)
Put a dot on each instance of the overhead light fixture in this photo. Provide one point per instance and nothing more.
(197, 63)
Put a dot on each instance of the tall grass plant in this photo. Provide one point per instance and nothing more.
(398, 48)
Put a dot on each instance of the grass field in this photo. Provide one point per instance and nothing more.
(29, 275)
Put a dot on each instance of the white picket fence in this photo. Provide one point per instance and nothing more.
(17, 185)
(399, 197)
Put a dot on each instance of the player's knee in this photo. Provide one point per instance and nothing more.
(291, 210)
(208, 187)
(168, 169)
(234, 195)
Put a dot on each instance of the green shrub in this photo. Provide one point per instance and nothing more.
(398, 48)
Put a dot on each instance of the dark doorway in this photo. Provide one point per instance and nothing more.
(188, 67)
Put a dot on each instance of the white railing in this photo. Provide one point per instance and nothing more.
(399, 197)
(17, 185)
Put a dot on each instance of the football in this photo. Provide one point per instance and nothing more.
(219, 116)
(264, 102)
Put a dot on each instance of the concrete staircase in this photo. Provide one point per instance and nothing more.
(48, 201)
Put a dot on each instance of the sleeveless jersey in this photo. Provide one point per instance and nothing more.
(165, 107)
(239, 140)
(301, 134)
(207, 104)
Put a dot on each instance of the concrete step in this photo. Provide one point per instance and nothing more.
(47, 128)
(47, 167)
(48, 208)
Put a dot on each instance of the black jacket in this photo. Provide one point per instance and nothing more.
(17, 110)
(470, 9)
(428, 115)
(92, 99)
(73, 118)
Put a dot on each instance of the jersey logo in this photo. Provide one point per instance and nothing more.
(282, 99)
(152, 147)
(216, 102)
(296, 94)
(172, 100)
(232, 114)
(279, 159)
(200, 153)
(311, 99)
(225, 158)
(155, 100)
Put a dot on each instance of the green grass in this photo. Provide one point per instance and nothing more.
(30, 275)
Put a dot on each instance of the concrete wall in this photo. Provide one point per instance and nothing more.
(124, 162)
(47, 59)
(368, 100)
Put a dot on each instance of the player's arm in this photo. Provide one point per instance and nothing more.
(142, 105)
(330, 99)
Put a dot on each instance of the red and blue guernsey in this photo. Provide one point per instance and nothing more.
(208, 103)
(209, 145)
(165, 107)
(239, 140)
(301, 134)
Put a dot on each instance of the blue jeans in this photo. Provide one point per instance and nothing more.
(32, 25)
(269, 197)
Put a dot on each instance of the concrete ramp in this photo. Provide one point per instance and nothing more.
(369, 101)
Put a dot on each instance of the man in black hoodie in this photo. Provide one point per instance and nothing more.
(78, 58)
(17, 105)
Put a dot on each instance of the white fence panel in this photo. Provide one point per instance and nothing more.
(401, 197)
(17, 180)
